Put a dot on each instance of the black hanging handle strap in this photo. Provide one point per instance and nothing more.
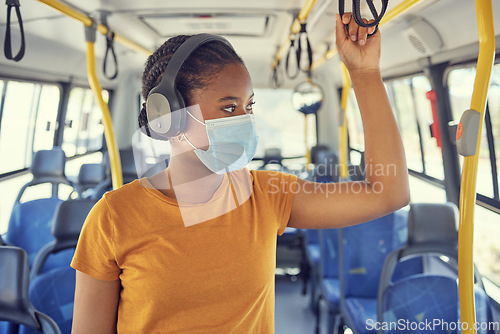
(303, 32)
(293, 48)
(356, 13)
(7, 46)
(110, 47)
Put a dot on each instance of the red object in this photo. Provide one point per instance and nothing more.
(460, 129)
(436, 133)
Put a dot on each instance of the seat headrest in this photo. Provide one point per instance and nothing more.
(48, 163)
(430, 223)
(15, 305)
(315, 151)
(127, 161)
(69, 218)
(90, 175)
(272, 155)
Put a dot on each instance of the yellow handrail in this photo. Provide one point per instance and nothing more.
(87, 22)
(346, 89)
(114, 156)
(390, 15)
(301, 17)
(484, 13)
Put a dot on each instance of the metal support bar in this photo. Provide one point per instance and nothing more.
(486, 32)
(343, 140)
(87, 21)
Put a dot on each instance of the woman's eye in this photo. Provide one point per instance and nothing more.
(250, 106)
(230, 109)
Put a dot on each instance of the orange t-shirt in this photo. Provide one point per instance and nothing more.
(216, 276)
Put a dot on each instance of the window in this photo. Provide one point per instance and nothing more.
(433, 155)
(83, 129)
(461, 85)
(279, 125)
(407, 121)
(414, 114)
(28, 122)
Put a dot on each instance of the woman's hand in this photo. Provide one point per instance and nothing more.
(358, 51)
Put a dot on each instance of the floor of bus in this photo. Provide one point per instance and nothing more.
(292, 314)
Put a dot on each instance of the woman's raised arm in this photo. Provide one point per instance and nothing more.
(386, 187)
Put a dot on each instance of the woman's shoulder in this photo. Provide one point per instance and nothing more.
(272, 181)
(124, 194)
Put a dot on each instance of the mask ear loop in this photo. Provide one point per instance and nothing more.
(184, 134)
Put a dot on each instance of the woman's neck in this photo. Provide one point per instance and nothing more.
(187, 180)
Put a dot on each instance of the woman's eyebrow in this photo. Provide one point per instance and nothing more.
(233, 98)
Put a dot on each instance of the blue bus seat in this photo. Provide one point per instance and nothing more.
(432, 230)
(326, 169)
(363, 249)
(129, 171)
(409, 304)
(15, 306)
(52, 292)
(329, 277)
(68, 221)
(89, 177)
(30, 222)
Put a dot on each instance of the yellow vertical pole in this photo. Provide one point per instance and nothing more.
(114, 156)
(306, 141)
(484, 13)
(343, 149)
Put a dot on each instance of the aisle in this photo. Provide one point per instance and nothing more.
(293, 315)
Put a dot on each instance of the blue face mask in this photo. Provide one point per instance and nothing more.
(232, 143)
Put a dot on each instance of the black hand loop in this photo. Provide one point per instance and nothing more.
(110, 46)
(356, 14)
(7, 46)
(303, 32)
(287, 64)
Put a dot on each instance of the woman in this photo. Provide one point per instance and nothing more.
(192, 249)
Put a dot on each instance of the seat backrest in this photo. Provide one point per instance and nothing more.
(432, 230)
(47, 166)
(30, 225)
(68, 221)
(327, 167)
(363, 249)
(315, 151)
(53, 294)
(15, 305)
(328, 245)
(433, 227)
(432, 299)
(90, 175)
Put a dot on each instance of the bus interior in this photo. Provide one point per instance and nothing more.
(53, 149)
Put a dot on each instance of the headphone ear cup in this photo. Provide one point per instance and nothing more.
(159, 114)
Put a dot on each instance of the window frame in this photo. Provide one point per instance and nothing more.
(6, 79)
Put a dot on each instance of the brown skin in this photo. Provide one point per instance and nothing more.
(96, 301)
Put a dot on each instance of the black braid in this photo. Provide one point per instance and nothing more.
(195, 73)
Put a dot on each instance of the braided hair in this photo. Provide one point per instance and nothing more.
(195, 73)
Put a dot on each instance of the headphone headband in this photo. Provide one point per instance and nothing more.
(165, 98)
(182, 54)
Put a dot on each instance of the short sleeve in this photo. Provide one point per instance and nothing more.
(280, 189)
(95, 251)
